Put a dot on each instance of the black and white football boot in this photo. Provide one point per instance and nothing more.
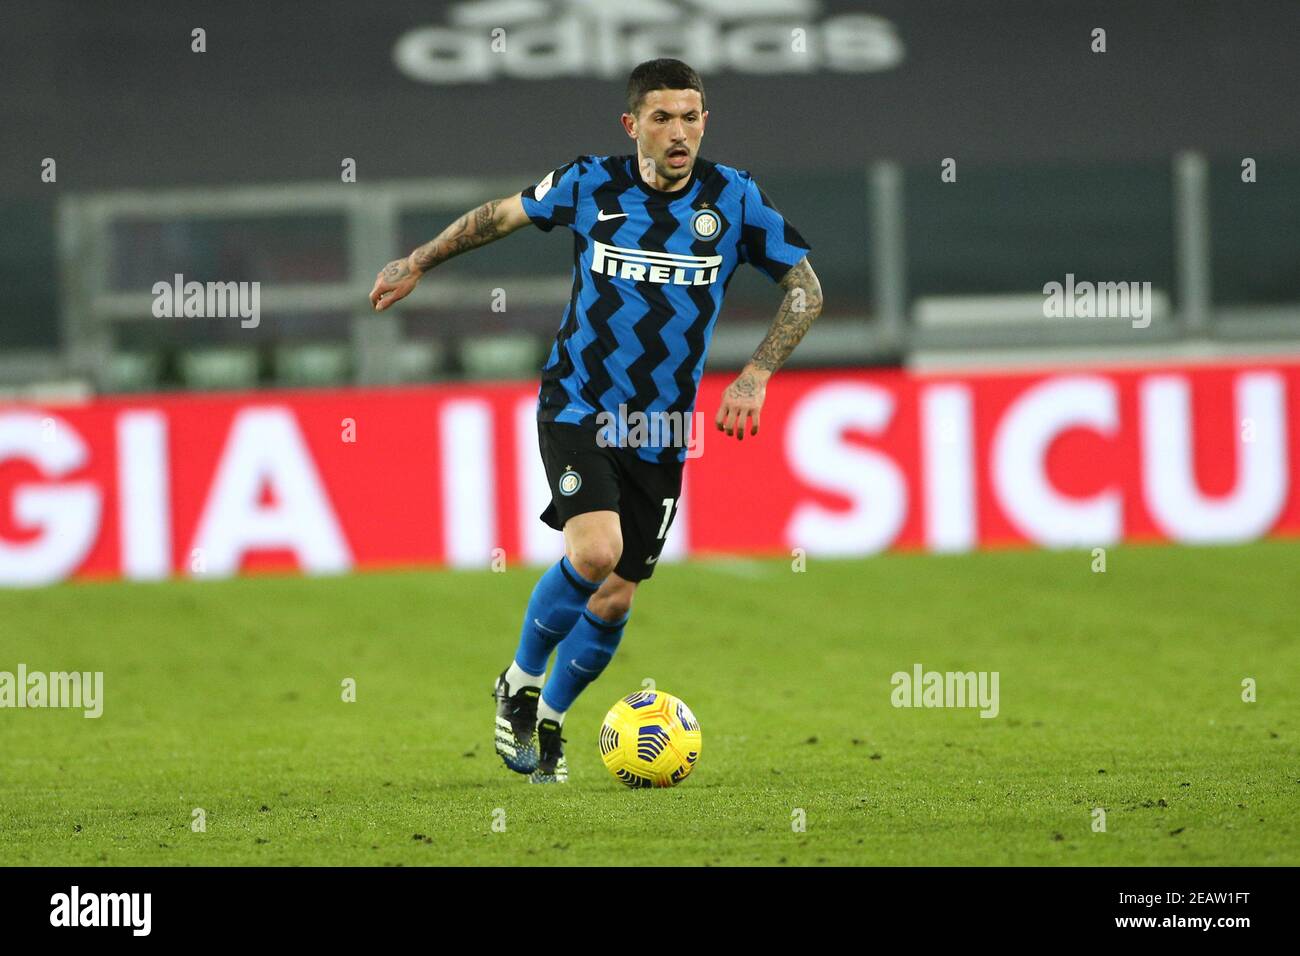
(516, 723)
(551, 767)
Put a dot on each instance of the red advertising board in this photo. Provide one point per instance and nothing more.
(847, 463)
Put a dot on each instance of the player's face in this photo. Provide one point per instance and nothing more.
(668, 129)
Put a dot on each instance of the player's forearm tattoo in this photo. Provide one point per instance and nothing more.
(801, 305)
(476, 228)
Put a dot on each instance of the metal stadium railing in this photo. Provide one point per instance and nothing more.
(314, 249)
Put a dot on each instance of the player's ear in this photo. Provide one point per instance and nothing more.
(629, 125)
(704, 121)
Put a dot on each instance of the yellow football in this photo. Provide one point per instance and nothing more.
(650, 739)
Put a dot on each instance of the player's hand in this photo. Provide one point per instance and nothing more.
(742, 401)
(395, 281)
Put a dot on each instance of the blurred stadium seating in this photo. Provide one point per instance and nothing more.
(916, 268)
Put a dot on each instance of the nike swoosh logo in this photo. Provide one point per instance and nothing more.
(580, 667)
(601, 217)
(542, 627)
(652, 560)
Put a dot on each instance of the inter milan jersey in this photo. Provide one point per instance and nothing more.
(649, 273)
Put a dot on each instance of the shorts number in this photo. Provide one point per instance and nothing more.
(668, 513)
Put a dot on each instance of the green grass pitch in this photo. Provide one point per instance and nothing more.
(1120, 690)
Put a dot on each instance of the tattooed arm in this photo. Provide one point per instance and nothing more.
(488, 223)
(801, 305)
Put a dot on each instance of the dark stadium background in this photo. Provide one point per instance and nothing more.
(1065, 156)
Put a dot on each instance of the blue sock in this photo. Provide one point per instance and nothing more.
(558, 598)
(580, 659)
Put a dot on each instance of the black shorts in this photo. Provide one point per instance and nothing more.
(584, 476)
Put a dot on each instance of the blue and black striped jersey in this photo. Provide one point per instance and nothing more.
(650, 269)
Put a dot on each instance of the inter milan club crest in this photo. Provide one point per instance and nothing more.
(705, 224)
(570, 482)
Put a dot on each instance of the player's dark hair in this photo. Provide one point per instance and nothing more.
(661, 74)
